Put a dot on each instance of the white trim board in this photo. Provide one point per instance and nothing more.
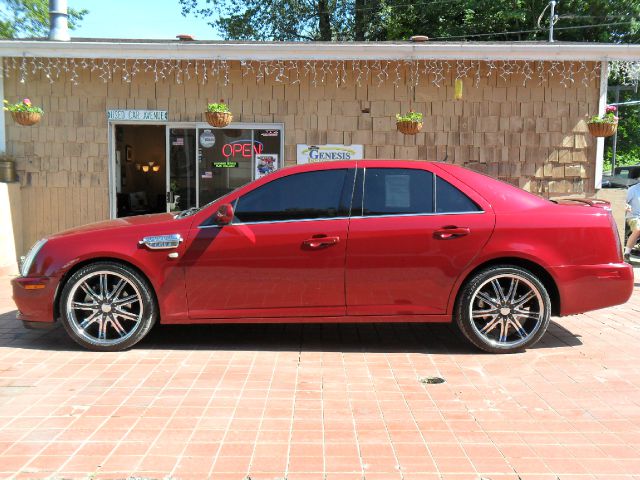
(3, 135)
(132, 49)
(602, 104)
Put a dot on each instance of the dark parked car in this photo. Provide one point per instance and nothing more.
(628, 171)
(623, 177)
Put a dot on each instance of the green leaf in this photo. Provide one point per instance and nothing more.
(409, 117)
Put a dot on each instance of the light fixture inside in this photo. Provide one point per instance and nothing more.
(145, 168)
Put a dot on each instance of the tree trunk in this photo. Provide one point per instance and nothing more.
(360, 17)
(324, 20)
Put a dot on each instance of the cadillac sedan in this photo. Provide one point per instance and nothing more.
(348, 241)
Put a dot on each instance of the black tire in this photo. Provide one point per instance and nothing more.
(524, 325)
(123, 314)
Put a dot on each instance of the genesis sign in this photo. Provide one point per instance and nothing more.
(328, 153)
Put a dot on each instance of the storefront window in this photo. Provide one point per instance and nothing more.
(202, 164)
(229, 158)
(225, 160)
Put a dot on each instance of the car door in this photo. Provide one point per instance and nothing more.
(282, 256)
(410, 237)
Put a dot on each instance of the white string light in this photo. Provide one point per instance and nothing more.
(628, 73)
(378, 72)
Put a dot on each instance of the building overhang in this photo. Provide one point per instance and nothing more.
(313, 51)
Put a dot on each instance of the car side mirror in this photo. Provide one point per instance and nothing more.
(224, 215)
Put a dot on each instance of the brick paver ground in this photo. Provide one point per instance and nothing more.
(323, 402)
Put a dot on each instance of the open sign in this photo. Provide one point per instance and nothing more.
(244, 148)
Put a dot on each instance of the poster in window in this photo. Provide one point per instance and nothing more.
(397, 191)
(265, 164)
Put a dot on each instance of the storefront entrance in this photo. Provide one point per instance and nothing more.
(172, 167)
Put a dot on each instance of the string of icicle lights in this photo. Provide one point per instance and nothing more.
(318, 72)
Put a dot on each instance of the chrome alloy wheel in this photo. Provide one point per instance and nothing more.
(105, 308)
(506, 310)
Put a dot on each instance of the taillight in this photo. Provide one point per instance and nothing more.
(616, 235)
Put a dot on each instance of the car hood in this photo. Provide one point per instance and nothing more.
(153, 219)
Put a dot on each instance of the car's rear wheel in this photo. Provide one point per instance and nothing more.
(503, 309)
(107, 306)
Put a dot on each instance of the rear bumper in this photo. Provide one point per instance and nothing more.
(34, 298)
(589, 287)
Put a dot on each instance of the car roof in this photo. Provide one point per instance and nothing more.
(503, 197)
(358, 163)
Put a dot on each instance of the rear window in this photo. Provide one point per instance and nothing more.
(451, 200)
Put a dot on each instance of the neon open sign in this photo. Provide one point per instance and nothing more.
(245, 148)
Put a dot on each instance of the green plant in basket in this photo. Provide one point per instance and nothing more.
(409, 123)
(220, 107)
(609, 116)
(23, 106)
(604, 125)
(409, 117)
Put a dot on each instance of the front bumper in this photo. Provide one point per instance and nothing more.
(589, 287)
(34, 298)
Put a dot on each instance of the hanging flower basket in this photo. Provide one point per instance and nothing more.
(24, 113)
(602, 129)
(408, 127)
(218, 114)
(26, 119)
(219, 119)
(604, 125)
(409, 124)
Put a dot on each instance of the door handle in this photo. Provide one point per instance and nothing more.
(449, 232)
(320, 241)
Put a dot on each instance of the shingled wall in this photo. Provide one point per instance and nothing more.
(534, 136)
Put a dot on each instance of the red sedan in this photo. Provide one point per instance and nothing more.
(365, 241)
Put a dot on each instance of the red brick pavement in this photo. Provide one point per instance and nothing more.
(323, 402)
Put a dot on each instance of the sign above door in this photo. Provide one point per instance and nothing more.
(138, 115)
(325, 153)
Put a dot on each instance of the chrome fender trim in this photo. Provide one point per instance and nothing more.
(161, 242)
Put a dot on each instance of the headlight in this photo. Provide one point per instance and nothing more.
(30, 257)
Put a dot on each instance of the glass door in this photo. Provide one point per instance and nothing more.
(182, 180)
(225, 161)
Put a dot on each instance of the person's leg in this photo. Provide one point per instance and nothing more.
(634, 225)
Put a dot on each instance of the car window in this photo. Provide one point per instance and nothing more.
(449, 199)
(389, 191)
(300, 196)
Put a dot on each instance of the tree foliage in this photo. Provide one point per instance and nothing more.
(628, 147)
(579, 20)
(30, 18)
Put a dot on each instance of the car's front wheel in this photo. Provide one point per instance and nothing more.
(503, 309)
(107, 306)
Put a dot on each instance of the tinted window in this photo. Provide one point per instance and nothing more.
(450, 199)
(389, 191)
(296, 197)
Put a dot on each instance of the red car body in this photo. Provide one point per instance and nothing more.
(388, 268)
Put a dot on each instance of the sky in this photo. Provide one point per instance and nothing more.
(138, 19)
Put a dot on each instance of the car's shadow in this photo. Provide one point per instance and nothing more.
(363, 337)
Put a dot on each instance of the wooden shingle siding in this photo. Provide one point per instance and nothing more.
(533, 136)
